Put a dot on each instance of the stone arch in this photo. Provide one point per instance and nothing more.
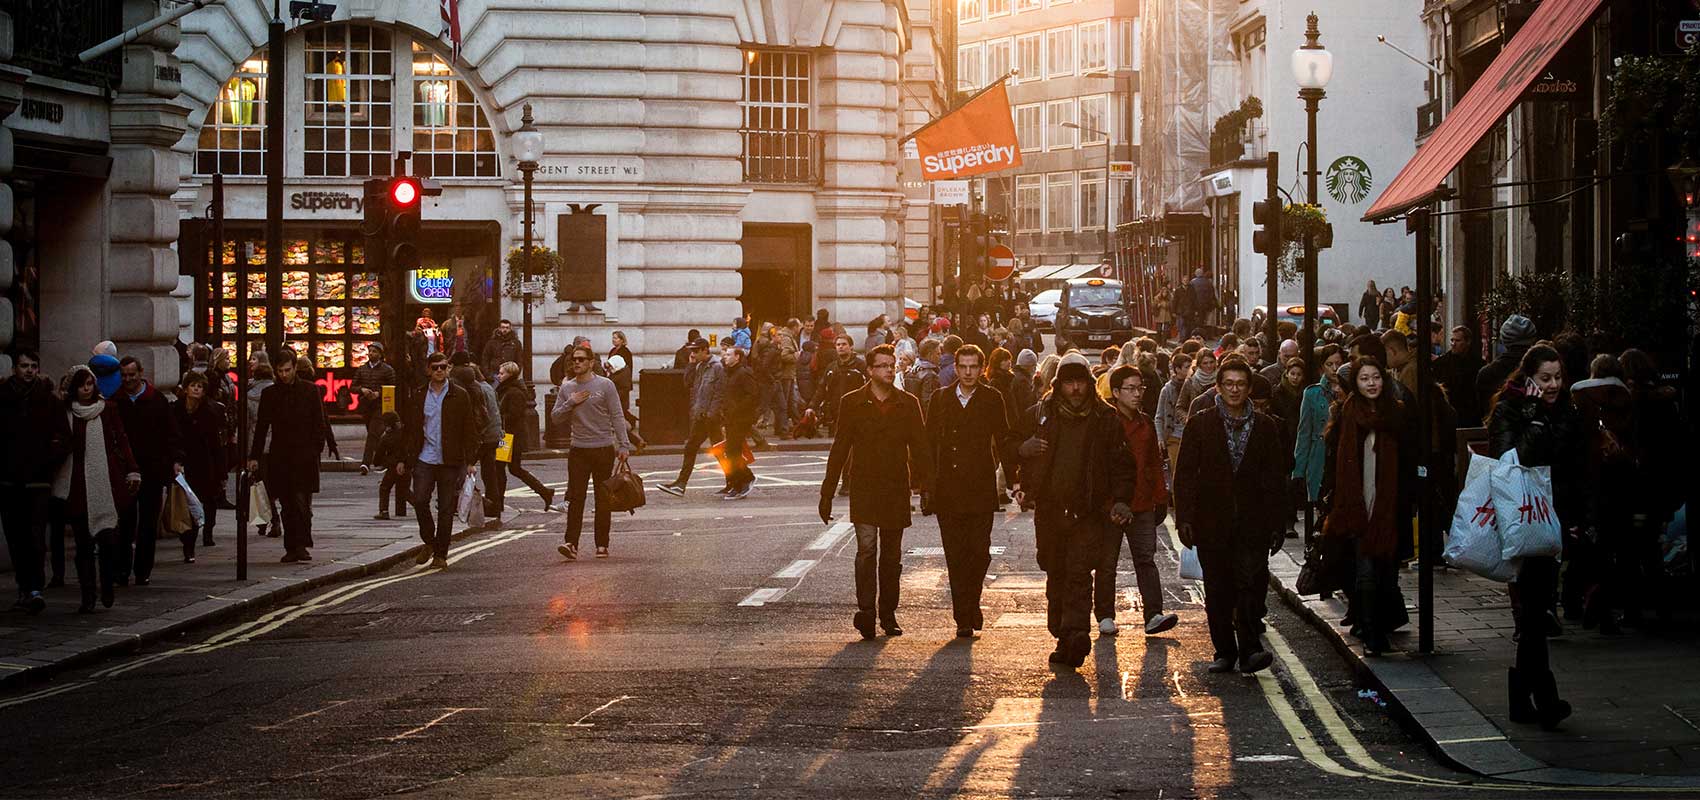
(214, 46)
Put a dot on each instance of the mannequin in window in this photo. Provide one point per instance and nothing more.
(336, 91)
(434, 103)
(242, 94)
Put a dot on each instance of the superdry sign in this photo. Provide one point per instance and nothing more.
(975, 139)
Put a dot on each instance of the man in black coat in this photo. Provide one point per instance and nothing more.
(1517, 334)
(882, 441)
(1230, 468)
(370, 379)
(740, 410)
(503, 346)
(1077, 475)
(159, 453)
(1456, 370)
(293, 412)
(33, 440)
(968, 429)
(442, 448)
(682, 356)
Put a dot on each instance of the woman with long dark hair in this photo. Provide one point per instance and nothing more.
(97, 478)
(200, 423)
(1533, 415)
(1369, 463)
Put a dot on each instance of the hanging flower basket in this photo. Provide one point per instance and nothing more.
(545, 266)
(1298, 220)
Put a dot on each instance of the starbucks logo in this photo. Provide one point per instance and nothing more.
(1349, 180)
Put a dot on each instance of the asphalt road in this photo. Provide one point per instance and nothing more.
(711, 656)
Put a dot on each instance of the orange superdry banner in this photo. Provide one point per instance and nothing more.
(977, 138)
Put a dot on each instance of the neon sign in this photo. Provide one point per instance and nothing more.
(434, 285)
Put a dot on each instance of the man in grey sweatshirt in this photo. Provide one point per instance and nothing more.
(590, 404)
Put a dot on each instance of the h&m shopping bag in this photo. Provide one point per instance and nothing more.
(1522, 503)
(1473, 543)
(470, 509)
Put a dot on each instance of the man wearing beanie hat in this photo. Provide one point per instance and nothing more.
(1228, 479)
(1516, 335)
(1078, 476)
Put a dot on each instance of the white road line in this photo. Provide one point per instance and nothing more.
(763, 596)
(830, 537)
(422, 728)
(580, 723)
(299, 717)
(797, 569)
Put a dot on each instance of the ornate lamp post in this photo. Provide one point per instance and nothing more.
(528, 148)
(1312, 67)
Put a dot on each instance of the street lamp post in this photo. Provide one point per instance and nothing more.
(528, 147)
(1312, 67)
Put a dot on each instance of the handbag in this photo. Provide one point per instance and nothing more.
(623, 490)
(174, 517)
(1328, 566)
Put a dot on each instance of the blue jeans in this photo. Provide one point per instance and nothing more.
(444, 480)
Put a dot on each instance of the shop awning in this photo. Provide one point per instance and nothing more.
(1042, 271)
(1074, 271)
(1505, 80)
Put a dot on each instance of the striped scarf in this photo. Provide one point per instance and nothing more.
(1238, 428)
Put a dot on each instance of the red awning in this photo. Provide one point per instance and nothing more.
(1511, 72)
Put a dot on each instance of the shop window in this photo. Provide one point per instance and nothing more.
(348, 99)
(1029, 203)
(233, 138)
(1059, 202)
(451, 134)
(331, 304)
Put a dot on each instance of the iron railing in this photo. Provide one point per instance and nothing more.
(782, 156)
(50, 33)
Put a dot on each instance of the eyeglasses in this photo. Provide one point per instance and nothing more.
(1235, 384)
(581, 358)
(1132, 387)
(435, 367)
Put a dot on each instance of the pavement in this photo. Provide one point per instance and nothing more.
(1637, 717)
(351, 438)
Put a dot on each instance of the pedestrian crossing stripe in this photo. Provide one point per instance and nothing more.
(996, 550)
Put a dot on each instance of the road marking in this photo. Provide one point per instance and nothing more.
(762, 596)
(831, 536)
(299, 717)
(427, 726)
(580, 723)
(797, 569)
(22, 699)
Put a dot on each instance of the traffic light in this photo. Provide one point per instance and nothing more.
(401, 228)
(1266, 238)
(976, 241)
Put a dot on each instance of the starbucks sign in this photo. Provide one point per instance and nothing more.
(1349, 180)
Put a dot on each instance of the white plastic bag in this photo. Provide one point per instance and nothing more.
(259, 503)
(1473, 543)
(197, 512)
(1191, 570)
(1522, 503)
(471, 506)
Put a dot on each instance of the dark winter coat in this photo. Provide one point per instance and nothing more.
(203, 446)
(1544, 436)
(841, 377)
(294, 415)
(1491, 378)
(886, 453)
(34, 437)
(621, 377)
(968, 445)
(1401, 490)
(1109, 464)
(373, 376)
(743, 394)
(499, 349)
(1457, 374)
(513, 398)
(152, 431)
(1225, 507)
(461, 428)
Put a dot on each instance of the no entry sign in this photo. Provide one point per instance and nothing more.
(1000, 264)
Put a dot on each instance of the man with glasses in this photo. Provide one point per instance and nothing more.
(1228, 481)
(442, 451)
(968, 429)
(881, 439)
(1127, 386)
(34, 435)
(590, 405)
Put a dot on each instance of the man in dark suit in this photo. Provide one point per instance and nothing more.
(1229, 477)
(159, 452)
(292, 406)
(968, 429)
(882, 441)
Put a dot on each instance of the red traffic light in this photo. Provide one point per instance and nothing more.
(404, 192)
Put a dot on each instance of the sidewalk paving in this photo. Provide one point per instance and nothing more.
(351, 437)
(1637, 715)
(181, 596)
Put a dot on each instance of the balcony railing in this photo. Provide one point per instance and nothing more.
(50, 33)
(782, 156)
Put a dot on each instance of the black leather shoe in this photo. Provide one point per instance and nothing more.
(891, 627)
(1058, 656)
(1221, 665)
(864, 622)
(1080, 645)
(1256, 662)
(964, 632)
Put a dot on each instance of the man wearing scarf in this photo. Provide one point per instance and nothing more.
(1078, 475)
(1230, 467)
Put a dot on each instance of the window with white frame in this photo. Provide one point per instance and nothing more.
(1058, 113)
(349, 89)
(968, 10)
(1059, 52)
(1094, 118)
(1059, 202)
(997, 8)
(1029, 56)
(1095, 45)
(999, 55)
(1029, 203)
(233, 138)
(1127, 43)
(1092, 200)
(1030, 127)
(970, 63)
(451, 135)
(776, 90)
(1028, 5)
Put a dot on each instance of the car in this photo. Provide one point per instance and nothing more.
(1093, 313)
(1043, 308)
(1295, 313)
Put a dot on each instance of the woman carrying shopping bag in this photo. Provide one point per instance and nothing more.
(1533, 415)
(200, 421)
(99, 477)
(1370, 464)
